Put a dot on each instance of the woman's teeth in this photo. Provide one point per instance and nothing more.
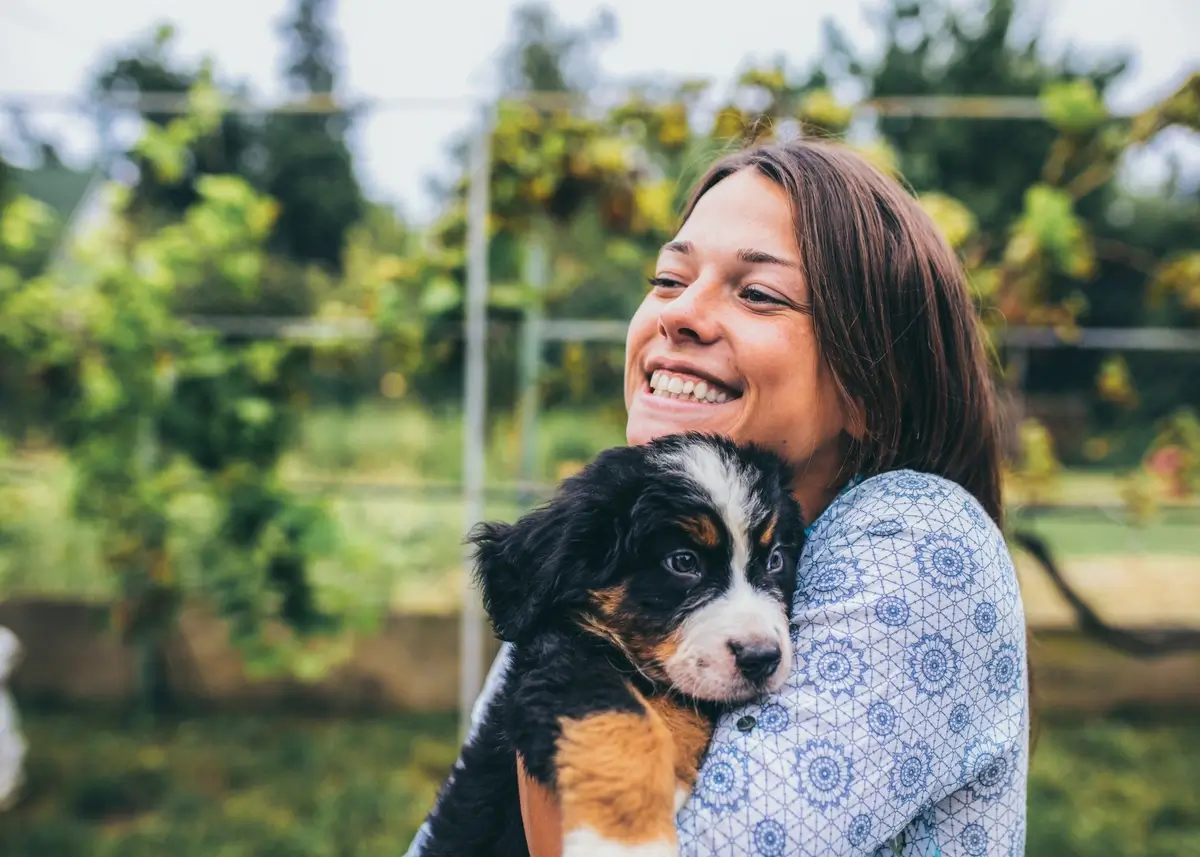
(685, 388)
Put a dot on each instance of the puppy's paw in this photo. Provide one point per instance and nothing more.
(583, 842)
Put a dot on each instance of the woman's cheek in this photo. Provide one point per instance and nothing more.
(640, 332)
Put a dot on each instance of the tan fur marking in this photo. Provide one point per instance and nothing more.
(593, 625)
(703, 529)
(609, 600)
(690, 733)
(616, 776)
(660, 651)
(769, 533)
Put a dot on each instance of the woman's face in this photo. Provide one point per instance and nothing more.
(724, 341)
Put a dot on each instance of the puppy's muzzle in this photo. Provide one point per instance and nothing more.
(755, 660)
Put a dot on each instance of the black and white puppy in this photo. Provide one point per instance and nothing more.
(655, 588)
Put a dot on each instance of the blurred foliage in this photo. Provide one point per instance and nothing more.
(302, 160)
(1049, 236)
(1027, 204)
(335, 788)
(160, 419)
(970, 49)
(390, 476)
(1036, 468)
(309, 170)
(1170, 466)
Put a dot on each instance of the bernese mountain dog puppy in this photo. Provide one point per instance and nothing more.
(654, 589)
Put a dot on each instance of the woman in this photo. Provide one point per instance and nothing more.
(835, 325)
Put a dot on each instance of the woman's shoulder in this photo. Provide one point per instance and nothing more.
(905, 523)
(901, 499)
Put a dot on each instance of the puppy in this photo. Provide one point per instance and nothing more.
(653, 590)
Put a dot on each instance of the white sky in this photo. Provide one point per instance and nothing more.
(394, 48)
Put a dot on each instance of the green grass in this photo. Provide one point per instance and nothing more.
(1172, 534)
(402, 541)
(1113, 787)
(292, 787)
(406, 443)
(235, 787)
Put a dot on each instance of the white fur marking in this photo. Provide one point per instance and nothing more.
(703, 665)
(584, 842)
(681, 798)
(728, 487)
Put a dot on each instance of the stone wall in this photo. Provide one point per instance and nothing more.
(71, 656)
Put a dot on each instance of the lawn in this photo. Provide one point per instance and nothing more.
(391, 474)
(270, 787)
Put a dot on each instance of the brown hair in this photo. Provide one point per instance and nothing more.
(893, 316)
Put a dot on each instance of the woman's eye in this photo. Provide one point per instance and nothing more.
(665, 283)
(684, 563)
(758, 296)
(775, 562)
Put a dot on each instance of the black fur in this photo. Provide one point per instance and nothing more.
(610, 525)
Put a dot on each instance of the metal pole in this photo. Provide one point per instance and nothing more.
(537, 276)
(474, 423)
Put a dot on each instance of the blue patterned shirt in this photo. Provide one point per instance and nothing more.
(904, 726)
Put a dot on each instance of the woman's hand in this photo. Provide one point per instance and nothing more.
(540, 814)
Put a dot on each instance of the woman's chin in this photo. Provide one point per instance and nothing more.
(651, 416)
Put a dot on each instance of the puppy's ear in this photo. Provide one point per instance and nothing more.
(525, 568)
(552, 558)
(498, 564)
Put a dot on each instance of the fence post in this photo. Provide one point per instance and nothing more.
(537, 276)
(474, 412)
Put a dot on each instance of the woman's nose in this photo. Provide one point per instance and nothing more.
(692, 316)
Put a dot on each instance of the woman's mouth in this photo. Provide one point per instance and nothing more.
(688, 388)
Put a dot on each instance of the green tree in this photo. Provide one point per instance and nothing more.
(543, 55)
(309, 168)
(165, 191)
(6, 180)
(937, 48)
(1002, 171)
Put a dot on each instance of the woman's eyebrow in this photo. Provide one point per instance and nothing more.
(761, 257)
(750, 257)
(683, 247)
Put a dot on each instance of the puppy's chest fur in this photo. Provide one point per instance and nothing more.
(621, 755)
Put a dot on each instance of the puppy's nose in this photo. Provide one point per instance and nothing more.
(756, 661)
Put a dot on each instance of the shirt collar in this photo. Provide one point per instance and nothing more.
(854, 480)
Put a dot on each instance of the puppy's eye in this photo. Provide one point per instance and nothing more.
(684, 563)
(775, 562)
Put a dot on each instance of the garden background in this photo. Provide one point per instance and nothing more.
(238, 402)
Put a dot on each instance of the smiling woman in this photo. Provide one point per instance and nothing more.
(807, 304)
(729, 308)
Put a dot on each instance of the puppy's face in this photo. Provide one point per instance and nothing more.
(681, 552)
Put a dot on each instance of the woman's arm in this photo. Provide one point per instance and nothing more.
(540, 814)
(906, 713)
(12, 742)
